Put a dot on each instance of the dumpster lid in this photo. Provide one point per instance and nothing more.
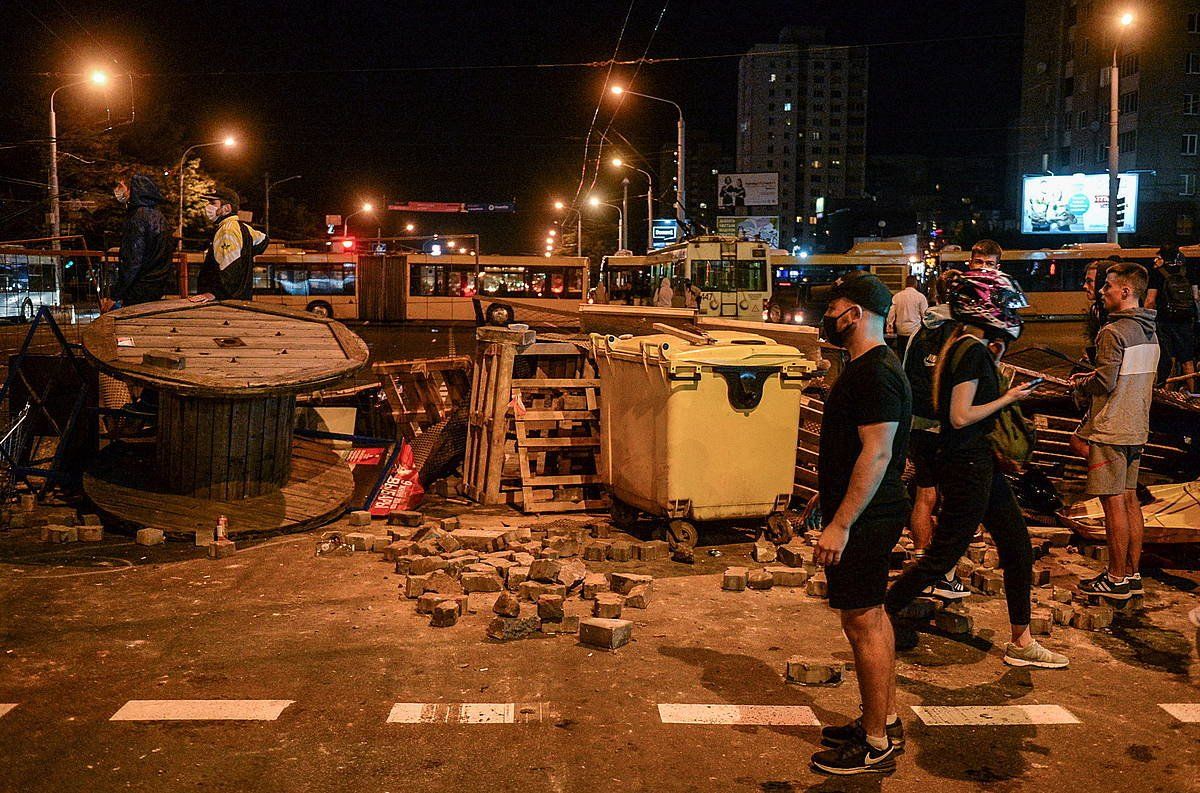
(730, 348)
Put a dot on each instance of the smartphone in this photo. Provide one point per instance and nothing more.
(1034, 383)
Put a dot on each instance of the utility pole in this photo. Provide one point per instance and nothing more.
(624, 214)
(1114, 150)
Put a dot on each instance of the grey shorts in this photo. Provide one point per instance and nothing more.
(1111, 470)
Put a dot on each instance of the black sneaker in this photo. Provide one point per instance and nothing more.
(1105, 587)
(948, 589)
(856, 757)
(834, 737)
(1135, 584)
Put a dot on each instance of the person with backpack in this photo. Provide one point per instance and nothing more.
(1172, 293)
(228, 267)
(968, 399)
(1117, 425)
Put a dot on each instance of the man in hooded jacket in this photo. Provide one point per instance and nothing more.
(144, 268)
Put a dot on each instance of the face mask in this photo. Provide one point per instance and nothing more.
(211, 211)
(829, 329)
(121, 194)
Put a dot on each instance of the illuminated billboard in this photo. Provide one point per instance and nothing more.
(755, 227)
(747, 190)
(1076, 204)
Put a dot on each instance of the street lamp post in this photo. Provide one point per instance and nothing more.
(620, 219)
(1114, 112)
(96, 78)
(267, 199)
(618, 162)
(228, 142)
(680, 151)
(559, 205)
(366, 207)
(624, 212)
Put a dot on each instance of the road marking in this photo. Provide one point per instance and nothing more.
(996, 715)
(766, 715)
(201, 710)
(5, 707)
(470, 713)
(1188, 712)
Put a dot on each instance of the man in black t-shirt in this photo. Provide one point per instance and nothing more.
(864, 435)
(1172, 293)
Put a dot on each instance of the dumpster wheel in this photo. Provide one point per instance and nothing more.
(779, 528)
(682, 534)
(623, 515)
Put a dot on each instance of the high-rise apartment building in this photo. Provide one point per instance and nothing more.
(1065, 89)
(802, 113)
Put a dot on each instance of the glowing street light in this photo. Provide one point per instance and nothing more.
(228, 142)
(618, 90)
(1126, 19)
(553, 232)
(366, 207)
(409, 227)
(97, 77)
(1114, 141)
(559, 205)
(595, 202)
(680, 151)
(619, 163)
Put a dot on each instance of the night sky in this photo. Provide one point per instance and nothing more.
(434, 101)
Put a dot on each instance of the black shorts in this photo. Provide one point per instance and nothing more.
(1178, 340)
(922, 450)
(860, 579)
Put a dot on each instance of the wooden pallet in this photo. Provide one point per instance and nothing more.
(807, 448)
(1162, 456)
(557, 432)
(423, 393)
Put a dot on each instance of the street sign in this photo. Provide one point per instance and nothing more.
(333, 220)
(663, 231)
(507, 206)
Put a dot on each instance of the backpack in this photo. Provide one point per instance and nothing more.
(1176, 296)
(1012, 437)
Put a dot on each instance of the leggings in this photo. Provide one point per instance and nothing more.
(973, 491)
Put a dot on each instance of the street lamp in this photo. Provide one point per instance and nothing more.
(619, 163)
(267, 200)
(560, 206)
(228, 142)
(97, 78)
(1114, 112)
(409, 227)
(680, 169)
(596, 202)
(366, 207)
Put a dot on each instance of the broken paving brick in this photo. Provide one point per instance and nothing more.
(621, 583)
(449, 524)
(448, 543)
(404, 517)
(594, 584)
(608, 605)
(764, 552)
(788, 576)
(481, 539)
(684, 554)
(221, 547)
(1041, 576)
(516, 577)
(61, 534)
(607, 634)
(571, 573)
(421, 565)
(812, 673)
(507, 605)
(1093, 618)
(734, 579)
(953, 622)
(566, 546)
(445, 615)
(359, 540)
(404, 564)
(481, 582)
(414, 586)
(550, 607)
(545, 570)
(653, 551)
(150, 537)
(509, 628)
(638, 597)
(760, 580)
(1063, 613)
(428, 600)
(90, 519)
(621, 552)
(360, 517)
(90, 533)
(396, 549)
(532, 590)
(818, 586)
(976, 551)
(443, 583)
(1062, 594)
(794, 554)
(596, 551)
(1041, 621)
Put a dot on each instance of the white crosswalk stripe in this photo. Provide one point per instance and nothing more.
(765, 715)
(993, 715)
(1188, 712)
(201, 710)
(5, 707)
(470, 713)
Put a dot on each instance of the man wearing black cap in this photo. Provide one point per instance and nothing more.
(229, 260)
(864, 435)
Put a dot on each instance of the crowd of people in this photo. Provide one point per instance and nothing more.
(940, 400)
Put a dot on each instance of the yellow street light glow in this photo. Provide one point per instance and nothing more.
(451, 244)
(616, 161)
(229, 141)
(99, 77)
(549, 241)
(558, 204)
(618, 90)
(553, 232)
(593, 201)
(409, 227)
(546, 254)
(1126, 19)
(366, 207)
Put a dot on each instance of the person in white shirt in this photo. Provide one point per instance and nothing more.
(908, 308)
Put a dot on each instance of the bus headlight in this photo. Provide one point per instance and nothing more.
(798, 318)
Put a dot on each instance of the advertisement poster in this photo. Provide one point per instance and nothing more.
(747, 190)
(1075, 204)
(664, 231)
(754, 227)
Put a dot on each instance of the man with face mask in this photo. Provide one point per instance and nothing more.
(229, 260)
(145, 259)
(864, 435)
(1172, 293)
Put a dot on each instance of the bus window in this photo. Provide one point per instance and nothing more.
(348, 278)
(260, 281)
(751, 275)
(504, 282)
(714, 275)
(428, 281)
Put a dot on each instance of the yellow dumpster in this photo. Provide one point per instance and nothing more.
(699, 427)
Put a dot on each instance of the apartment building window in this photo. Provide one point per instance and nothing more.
(1080, 156)
(1127, 141)
(835, 135)
(770, 163)
(771, 106)
(1129, 102)
(816, 163)
(816, 134)
(1084, 46)
(835, 163)
(1189, 145)
(1187, 184)
(1068, 86)
(1191, 104)
(770, 121)
(1193, 63)
(1081, 119)
(787, 107)
(1129, 64)
(1193, 27)
(770, 150)
(1101, 152)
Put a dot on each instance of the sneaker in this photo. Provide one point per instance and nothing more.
(1034, 654)
(834, 737)
(1135, 584)
(948, 589)
(1105, 587)
(856, 757)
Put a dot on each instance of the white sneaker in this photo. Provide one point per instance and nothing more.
(1034, 654)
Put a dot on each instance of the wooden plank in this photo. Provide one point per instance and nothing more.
(567, 479)
(553, 443)
(534, 384)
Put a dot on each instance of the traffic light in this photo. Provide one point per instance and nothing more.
(348, 244)
(1120, 211)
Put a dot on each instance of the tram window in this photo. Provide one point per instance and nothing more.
(504, 282)
(436, 280)
(751, 276)
(713, 275)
